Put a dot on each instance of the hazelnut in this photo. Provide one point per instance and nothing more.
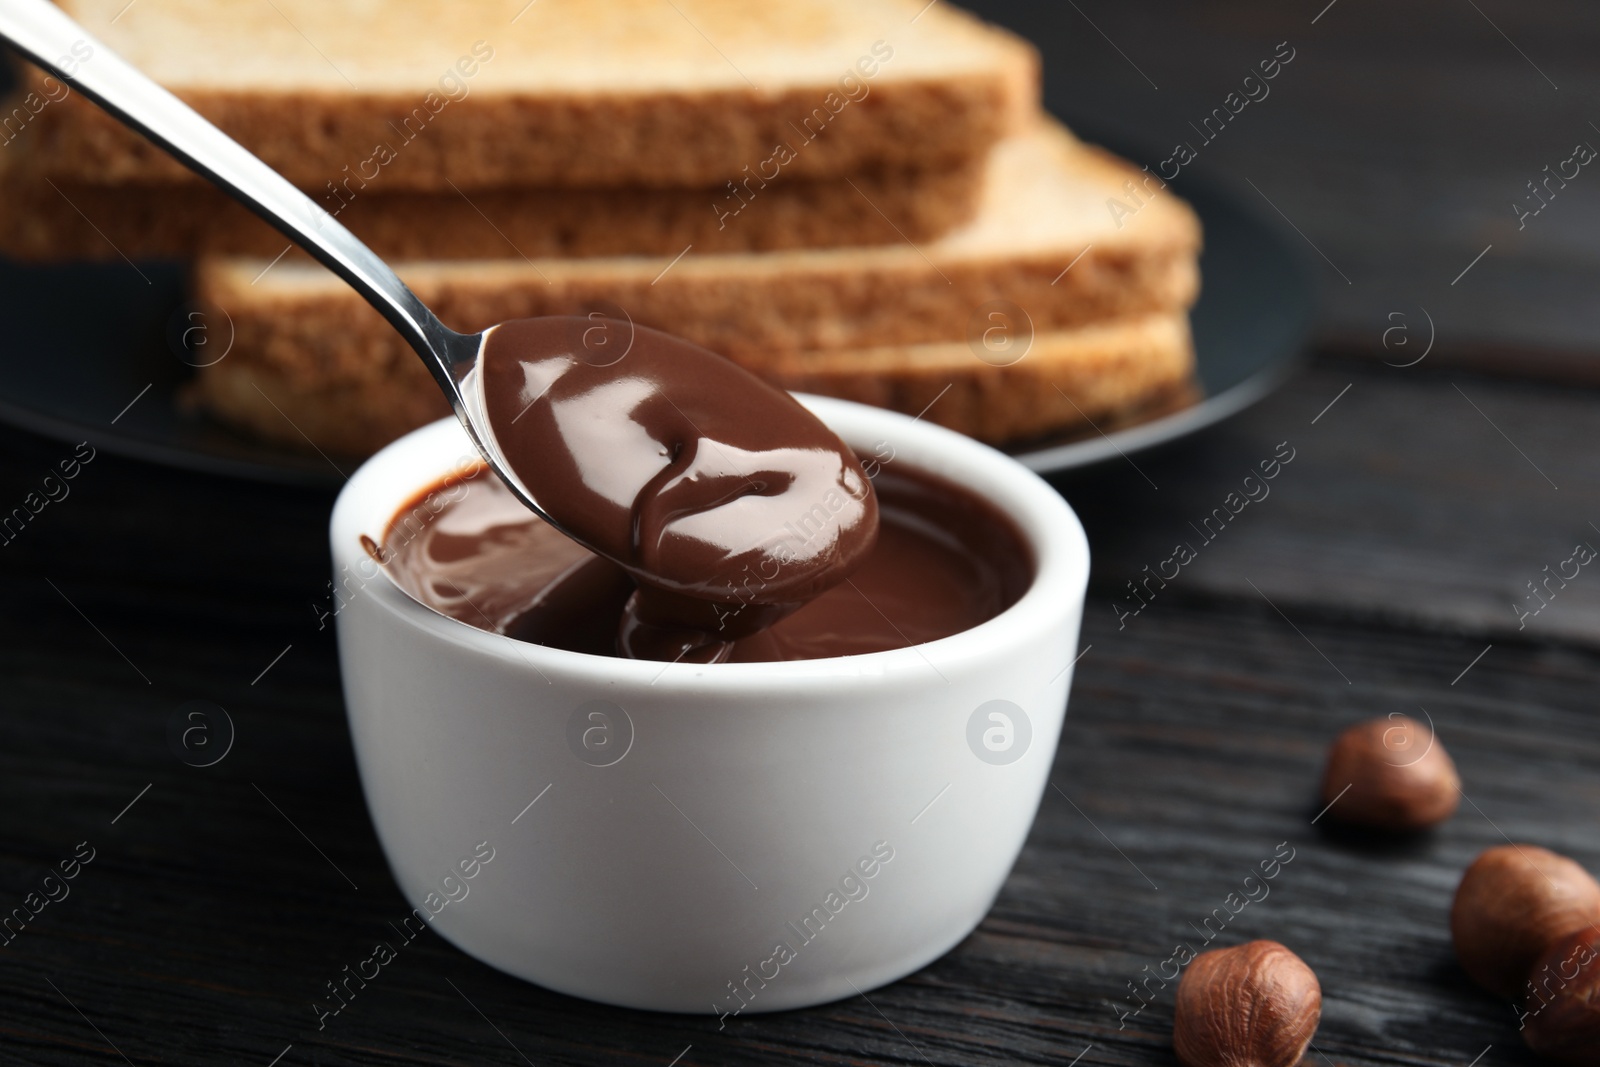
(1561, 1017)
(1393, 775)
(1256, 1005)
(1513, 903)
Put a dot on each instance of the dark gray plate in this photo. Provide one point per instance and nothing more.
(85, 341)
(1251, 324)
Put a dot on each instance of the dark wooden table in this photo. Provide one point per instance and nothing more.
(1380, 575)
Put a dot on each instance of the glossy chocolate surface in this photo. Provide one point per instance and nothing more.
(944, 561)
(727, 501)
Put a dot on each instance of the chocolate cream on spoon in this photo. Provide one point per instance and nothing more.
(726, 500)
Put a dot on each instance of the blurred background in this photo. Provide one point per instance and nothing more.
(1397, 142)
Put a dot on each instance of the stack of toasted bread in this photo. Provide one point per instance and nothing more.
(853, 197)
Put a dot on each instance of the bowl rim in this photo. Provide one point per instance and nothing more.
(402, 469)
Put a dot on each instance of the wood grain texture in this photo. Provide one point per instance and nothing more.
(206, 923)
(1417, 499)
(1383, 563)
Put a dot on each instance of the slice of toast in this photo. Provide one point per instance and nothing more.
(1055, 384)
(420, 94)
(51, 221)
(1044, 240)
(1093, 378)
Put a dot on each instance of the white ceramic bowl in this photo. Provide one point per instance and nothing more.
(732, 837)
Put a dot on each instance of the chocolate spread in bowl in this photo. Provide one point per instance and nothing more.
(944, 561)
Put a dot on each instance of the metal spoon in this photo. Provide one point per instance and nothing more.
(42, 32)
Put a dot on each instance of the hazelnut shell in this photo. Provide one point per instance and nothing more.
(1512, 904)
(1561, 1019)
(1390, 774)
(1256, 1005)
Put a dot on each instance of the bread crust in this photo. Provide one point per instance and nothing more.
(1100, 377)
(54, 221)
(323, 333)
(1042, 243)
(577, 130)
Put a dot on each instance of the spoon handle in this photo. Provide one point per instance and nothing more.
(44, 34)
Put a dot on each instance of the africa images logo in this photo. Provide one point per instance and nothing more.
(999, 732)
(599, 732)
